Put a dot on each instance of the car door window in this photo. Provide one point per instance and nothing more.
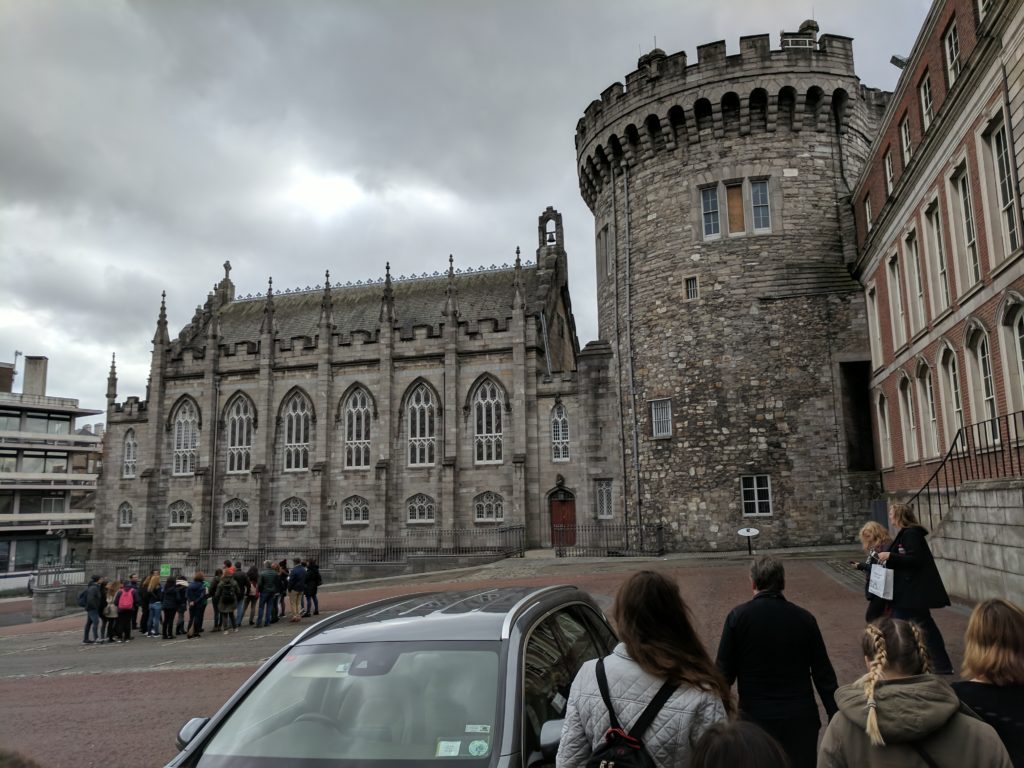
(603, 635)
(555, 651)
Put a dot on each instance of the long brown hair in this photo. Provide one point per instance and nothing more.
(994, 643)
(655, 624)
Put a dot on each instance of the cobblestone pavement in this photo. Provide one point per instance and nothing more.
(54, 686)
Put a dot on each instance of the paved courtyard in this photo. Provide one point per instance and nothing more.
(62, 698)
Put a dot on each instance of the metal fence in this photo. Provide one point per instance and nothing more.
(989, 450)
(608, 540)
(60, 575)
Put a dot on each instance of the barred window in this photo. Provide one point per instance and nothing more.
(131, 452)
(661, 418)
(422, 442)
(487, 405)
(180, 513)
(559, 433)
(421, 508)
(757, 494)
(294, 511)
(357, 430)
(239, 427)
(186, 438)
(490, 507)
(298, 415)
(124, 515)
(604, 499)
(692, 289)
(236, 512)
(355, 509)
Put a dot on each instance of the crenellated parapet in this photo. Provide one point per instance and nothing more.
(670, 106)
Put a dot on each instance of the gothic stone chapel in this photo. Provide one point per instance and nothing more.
(308, 418)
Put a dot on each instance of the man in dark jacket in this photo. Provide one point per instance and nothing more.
(268, 593)
(296, 588)
(774, 650)
(93, 605)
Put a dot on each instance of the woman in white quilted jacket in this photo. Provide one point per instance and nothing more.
(658, 644)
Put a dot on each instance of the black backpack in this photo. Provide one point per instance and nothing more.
(621, 749)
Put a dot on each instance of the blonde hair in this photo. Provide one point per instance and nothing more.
(994, 643)
(113, 586)
(903, 515)
(153, 581)
(875, 533)
(896, 645)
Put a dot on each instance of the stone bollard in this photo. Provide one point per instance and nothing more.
(48, 603)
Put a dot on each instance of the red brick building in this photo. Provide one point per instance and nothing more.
(941, 246)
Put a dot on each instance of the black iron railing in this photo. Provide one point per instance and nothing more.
(989, 450)
(608, 540)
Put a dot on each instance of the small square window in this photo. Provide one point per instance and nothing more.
(757, 494)
(661, 418)
(692, 289)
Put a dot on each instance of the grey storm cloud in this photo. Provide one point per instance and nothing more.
(144, 143)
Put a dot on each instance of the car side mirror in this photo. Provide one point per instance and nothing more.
(550, 735)
(189, 730)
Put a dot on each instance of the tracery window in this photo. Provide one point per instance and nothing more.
(131, 453)
(186, 438)
(355, 509)
(236, 512)
(298, 414)
(487, 405)
(489, 507)
(421, 508)
(239, 428)
(124, 515)
(294, 511)
(421, 415)
(559, 433)
(180, 513)
(357, 429)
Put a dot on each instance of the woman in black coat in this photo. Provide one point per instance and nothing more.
(917, 586)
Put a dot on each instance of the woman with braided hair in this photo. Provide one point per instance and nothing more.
(899, 713)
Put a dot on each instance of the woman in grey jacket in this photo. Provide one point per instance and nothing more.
(659, 644)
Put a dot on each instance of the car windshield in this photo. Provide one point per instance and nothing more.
(376, 704)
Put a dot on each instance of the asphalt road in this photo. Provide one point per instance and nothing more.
(64, 701)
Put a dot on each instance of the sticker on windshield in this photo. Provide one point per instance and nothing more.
(448, 748)
(477, 748)
(558, 703)
(343, 667)
(478, 729)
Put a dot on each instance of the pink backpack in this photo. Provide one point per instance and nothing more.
(126, 601)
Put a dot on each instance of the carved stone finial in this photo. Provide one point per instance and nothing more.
(227, 270)
(161, 336)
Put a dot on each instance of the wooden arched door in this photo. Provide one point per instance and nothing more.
(562, 504)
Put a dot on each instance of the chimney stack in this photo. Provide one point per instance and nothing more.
(34, 382)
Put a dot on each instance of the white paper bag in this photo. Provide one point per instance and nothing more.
(880, 583)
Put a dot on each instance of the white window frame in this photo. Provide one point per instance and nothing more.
(358, 429)
(755, 493)
(125, 515)
(884, 436)
(130, 455)
(662, 426)
(954, 413)
(890, 177)
(186, 438)
(355, 510)
(488, 404)
(906, 146)
(711, 212)
(298, 431)
(937, 249)
(927, 102)
(875, 328)
(236, 513)
(179, 514)
(908, 422)
(489, 507)
(929, 413)
(294, 512)
(868, 216)
(913, 257)
(603, 498)
(983, 389)
(764, 205)
(896, 309)
(421, 509)
(951, 51)
(1001, 190)
(691, 288)
(966, 234)
(559, 433)
(421, 422)
(240, 421)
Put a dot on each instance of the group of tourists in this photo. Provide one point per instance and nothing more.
(174, 606)
(661, 693)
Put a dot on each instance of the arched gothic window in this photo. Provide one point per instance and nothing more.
(908, 420)
(236, 512)
(421, 508)
(355, 509)
(239, 427)
(487, 405)
(180, 514)
(559, 433)
(490, 507)
(929, 413)
(131, 454)
(298, 415)
(953, 411)
(124, 515)
(357, 429)
(186, 438)
(884, 439)
(983, 391)
(294, 511)
(421, 415)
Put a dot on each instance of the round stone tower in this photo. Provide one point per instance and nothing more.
(720, 192)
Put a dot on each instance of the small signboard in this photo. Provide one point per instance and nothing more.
(748, 534)
(165, 570)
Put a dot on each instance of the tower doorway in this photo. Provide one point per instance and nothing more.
(562, 504)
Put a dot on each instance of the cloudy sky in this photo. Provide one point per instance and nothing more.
(142, 144)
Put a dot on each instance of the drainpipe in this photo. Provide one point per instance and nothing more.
(215, 418)
(618, 336)
(629, 351)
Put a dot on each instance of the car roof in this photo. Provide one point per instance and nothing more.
(471, 614)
